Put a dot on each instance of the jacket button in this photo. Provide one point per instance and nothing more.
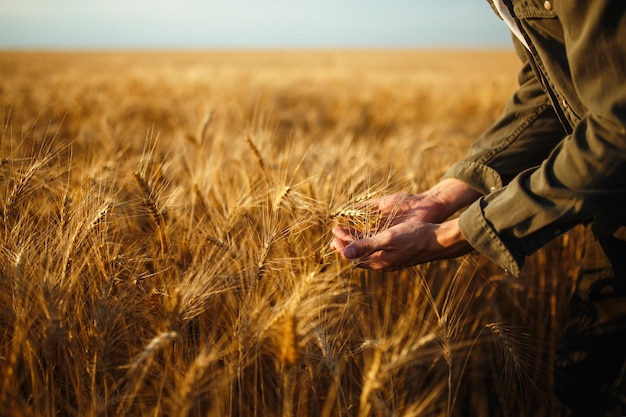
(547, 5)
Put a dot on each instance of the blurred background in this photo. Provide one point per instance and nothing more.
(197, 24)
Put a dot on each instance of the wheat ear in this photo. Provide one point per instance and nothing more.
(150, 202)
(257, 154)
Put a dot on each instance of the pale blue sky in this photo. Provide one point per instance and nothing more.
(249, 24)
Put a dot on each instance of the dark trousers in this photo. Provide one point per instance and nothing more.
(591, 361)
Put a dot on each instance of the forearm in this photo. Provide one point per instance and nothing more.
(451, 195)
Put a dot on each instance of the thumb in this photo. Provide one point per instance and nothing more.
(361, 248)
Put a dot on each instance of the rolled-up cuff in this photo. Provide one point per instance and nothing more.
(478, 176)
(483, 238)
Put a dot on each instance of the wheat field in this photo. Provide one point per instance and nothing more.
(165, 224)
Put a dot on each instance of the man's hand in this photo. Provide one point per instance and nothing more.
(405, 244)
(413, 231)
(434, 205)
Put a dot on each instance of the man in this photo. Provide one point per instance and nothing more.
(555, 158)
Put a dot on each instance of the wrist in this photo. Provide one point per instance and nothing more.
(452, 238)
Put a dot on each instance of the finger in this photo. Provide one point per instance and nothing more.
(346, 234)
(375, 261)
(362, 248)
(338, 244)
(375, 205)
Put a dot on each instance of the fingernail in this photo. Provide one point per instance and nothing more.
(349, 252)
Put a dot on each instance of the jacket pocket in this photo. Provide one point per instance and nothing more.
(533, 9)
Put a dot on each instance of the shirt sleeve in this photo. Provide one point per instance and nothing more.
(584, 176)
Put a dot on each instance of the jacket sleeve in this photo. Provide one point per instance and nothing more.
(522, 137)
(584, 177)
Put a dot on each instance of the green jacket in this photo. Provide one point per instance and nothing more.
(556, 157)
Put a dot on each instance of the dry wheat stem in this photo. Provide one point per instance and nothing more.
(208, 356)
(370, 384)
(151, 202)
(204, 128)
(141, 363)
(257, 154)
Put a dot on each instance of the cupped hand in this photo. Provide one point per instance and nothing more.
(410, 230)
(404, 244)
(401, 207)
(433, 206)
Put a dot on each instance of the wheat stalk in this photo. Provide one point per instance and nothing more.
(371, 383)
(257, 154)
(78, 237)
(280, 198)
(511, 353)
(289, 352)
(20, 188)
(204, 127)
(142, 362)
(151, 203)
